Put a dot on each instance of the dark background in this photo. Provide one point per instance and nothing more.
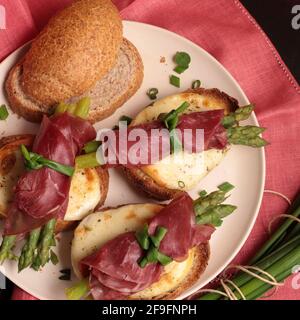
(274, 17)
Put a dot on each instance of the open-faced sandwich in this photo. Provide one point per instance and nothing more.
(42, 190)
(146, 251)
(81, 52)
(210, 110)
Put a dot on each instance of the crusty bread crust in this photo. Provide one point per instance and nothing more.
(78, 46)
(10, 144)
(144, 182)
(201, 258)
(103, 105)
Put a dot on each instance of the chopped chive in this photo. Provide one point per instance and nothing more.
(34, 161)
(152, 254)
(3, 112)
(226, 187)
(91, 146)
(196, 84)
(182, 59)
(143, 237)
(175, 81)
(143, 262)
(152, 93)
(181, 184)
(163, 259)
(88, 160)
(159, 235)
(126, 119)
(180, 69)
(203, 193)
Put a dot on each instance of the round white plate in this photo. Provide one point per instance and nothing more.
(243, 167)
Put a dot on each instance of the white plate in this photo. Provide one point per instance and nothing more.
(244, 167)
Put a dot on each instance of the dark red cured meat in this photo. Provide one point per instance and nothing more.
(43, 194)
(116, 268)
(183, 232)
(114, 272)
(148, 153)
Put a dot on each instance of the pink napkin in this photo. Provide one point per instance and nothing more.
(226, 30)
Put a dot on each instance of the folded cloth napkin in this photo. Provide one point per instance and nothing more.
(226, 30)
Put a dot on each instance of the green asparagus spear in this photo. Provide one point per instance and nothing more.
(28, 250)
(45, 243)
(246, 135)
(209, 208)
(240, 114)
(7, 245)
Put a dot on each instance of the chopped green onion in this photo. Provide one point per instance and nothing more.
(152, 254)
(203, 193)
(91, 146)
(181, 184)
(159, 235)
(196, 84)
(3, 112)
(82, 108)
(226, 187)
(180, 69)
(182, 59)
(143, 237)
(152, 93)
(126, 119)
(88, 160)
(34, 161)
(175, 81)
(163, 259)
(143, 262)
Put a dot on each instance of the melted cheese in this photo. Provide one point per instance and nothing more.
(84, 191)
(180, 174)
(98, 228)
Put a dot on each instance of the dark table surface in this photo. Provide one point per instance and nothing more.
(274, 16)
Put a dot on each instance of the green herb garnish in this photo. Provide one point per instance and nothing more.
(196, 84)
(34, 161)
(152, 93)
(175, 81)
(3, 112)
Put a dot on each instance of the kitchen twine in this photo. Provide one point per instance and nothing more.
(228, 292)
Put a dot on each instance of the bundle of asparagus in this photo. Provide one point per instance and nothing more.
(277, 257)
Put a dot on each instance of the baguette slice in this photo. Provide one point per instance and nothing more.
(11, 167)
(153, 179)
(100, 227)
(109, 93)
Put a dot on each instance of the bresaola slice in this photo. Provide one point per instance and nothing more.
(43, 194)
(123, 149)
(114, 270)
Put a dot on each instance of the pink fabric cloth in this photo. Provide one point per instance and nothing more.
(227, 31)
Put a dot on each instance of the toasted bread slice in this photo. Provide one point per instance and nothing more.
(100, 227)
(159, 181)
(108, 94)
(11, 167)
